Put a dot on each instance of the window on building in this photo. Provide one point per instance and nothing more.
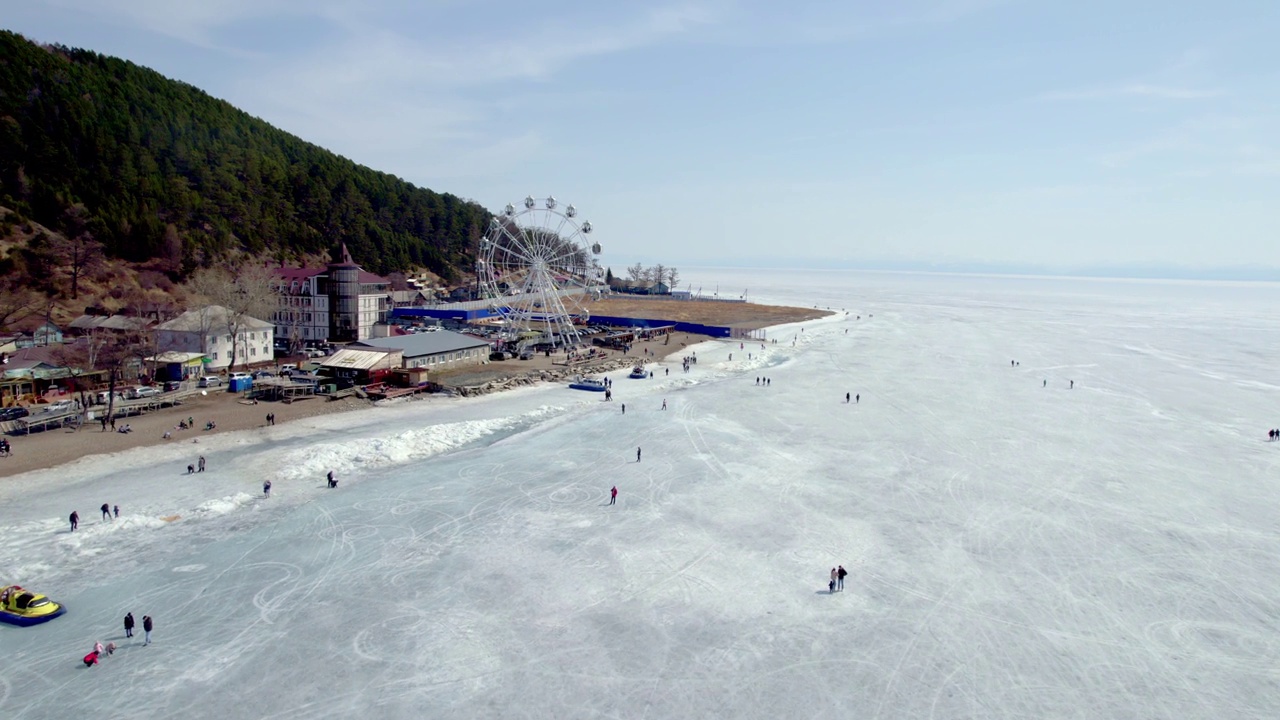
(253, 351)
(214, 356)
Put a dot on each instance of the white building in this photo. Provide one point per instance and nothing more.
(339, 303)
(204, 330)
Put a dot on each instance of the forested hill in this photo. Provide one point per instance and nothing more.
(143, 153)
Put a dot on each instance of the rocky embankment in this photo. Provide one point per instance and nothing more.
(532, 377)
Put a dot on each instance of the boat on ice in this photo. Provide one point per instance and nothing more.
(638, 373)
(19, 606)
(586, 383)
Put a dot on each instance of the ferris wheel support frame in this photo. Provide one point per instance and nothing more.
(529, 266)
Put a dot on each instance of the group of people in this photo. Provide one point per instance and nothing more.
(763, 381)
(271, 418)
(99, 650)
(1071, 384)
(197, 467)
(109, 512)
(837, 579)
(1273, 434)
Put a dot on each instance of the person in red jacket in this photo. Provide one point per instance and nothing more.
(613, 495)
(91, 659)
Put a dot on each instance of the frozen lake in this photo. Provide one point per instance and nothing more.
(1017, 548)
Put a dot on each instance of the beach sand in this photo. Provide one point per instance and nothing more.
(55, 447)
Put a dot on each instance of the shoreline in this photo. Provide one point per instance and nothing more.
(60, 446)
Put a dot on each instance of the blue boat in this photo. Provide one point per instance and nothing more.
(584, 383)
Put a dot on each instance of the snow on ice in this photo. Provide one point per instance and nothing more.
(1016, 547)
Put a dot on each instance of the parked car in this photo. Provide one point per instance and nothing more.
(497, 355)
(60, 406)
(13, 413)
(210, 381)
(287, 368)
(240, 376)
(145, 391)
(314, 353)
(259, 374)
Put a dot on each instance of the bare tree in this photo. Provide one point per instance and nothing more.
(16, 302)
(673, 278)
(112, 353)
(249, 292)
(398, 281)
(658, 273)
(636, 272)
(171, 249)
(79, 252)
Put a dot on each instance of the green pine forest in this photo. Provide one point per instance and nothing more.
(154, 168)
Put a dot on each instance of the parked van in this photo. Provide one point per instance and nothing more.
(104, 397)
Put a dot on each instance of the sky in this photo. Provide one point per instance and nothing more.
(988, 134)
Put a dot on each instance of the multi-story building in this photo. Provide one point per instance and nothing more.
(205, 330)
(338, 303)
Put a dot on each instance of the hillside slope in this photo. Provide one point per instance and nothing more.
(165, 171)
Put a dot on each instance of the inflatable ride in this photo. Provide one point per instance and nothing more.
(638, 373)
(23, 607)
(583, 383)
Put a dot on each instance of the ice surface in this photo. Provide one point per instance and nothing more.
(1015, 550)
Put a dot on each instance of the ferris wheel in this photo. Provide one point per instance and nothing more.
(537, 269)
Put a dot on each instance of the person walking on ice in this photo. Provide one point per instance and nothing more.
(128, 625)
(106, 511)
(147, 625)
(200, 464)
(846, 397)
(266, 489)
(624, 408)
(840, 573)
(75, 520)
(637, 454)
(831, 585)
(333, 483)
(1073, 384)
(664, 403)
(613, 495)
